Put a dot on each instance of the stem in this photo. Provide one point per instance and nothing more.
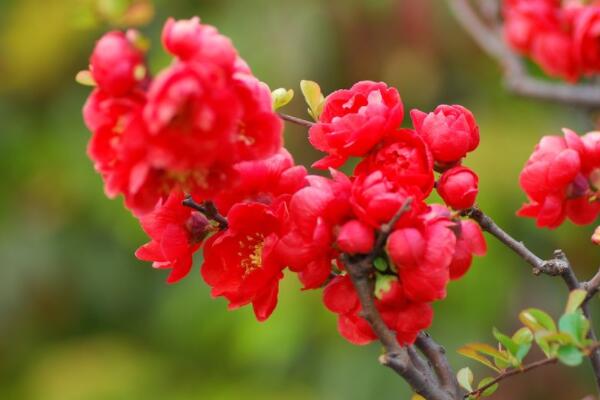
(522, 370)
(295, 120)
(436, 356)
(209, 210)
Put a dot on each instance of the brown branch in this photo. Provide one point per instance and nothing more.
(557, 266)
(592, 286)
(403, 360)
(436, 356)
(512, 372)
(209, 210)
(516, 77)
(547, 361)
(295, 120)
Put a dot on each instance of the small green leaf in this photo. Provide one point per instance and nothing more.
(575, 325)
(487, 350)
(570, 355)
(474, 355)
(502, 363)
(489, 391)
(380, 264)
(85, 78)
(507, 342)
(523, 336)
(576, 298)
(465, 378)
(383, 284)
(281, 97)
(314, 98)
(548, 349)
(537, 320)
(560, 338)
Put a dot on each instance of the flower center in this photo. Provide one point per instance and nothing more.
(251, 251)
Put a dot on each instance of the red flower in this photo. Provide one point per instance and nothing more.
(458, 187)
(555, 183)
(263, 181)
(524, 19)
(375, 200)
(422, 255)
(188, 39)
(586, 38)
(403, 158)
(470, 242)
(176, 232)
(316, 211)
(354, 120)
(116, 64)
(356, 237)
(240, 263)
(449, 131)
(403, 317)
(555, 53)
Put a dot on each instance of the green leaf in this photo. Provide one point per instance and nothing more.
(487, 350)
(314, 98)
(523, 336)
(575, 325)
(380, 264)
(465, 378)
(474, 355)
(570, 355)
(537, 320)
(85, 78)
(507, 342)
(281, 97)
(489, 391)
(383, 284)
(559, 338)
(576, 298)
(548, 349)
(502, 363)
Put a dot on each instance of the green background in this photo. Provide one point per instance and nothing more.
(81, 318)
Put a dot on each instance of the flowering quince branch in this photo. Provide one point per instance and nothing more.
(197, 153)
(517, 80)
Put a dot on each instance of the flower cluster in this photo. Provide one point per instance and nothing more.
(196, 152)
(561, 36)
(561, 180)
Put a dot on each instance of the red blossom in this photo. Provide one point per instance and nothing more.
(241, 264)
(403, 158)
(354, 120)
(176, 232)
(356, 237)
(470, 241)
(116, 64)
(458, 187)
(449, 131)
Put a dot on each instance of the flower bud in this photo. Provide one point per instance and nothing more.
(356, 237)
(449, 131)
(116, 64)
(198, 227)
(458, 187)
(406, 247)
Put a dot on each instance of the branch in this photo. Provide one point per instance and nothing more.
(516, 77)
(522, 370)
(403, 360)
(436, 356)
(557, 266)
(592, 286)
(209, 210)
(296, 120)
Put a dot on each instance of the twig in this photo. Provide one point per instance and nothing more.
(295, 120)
(209, 210)
(515, 74)
(592, 286)
(521, 370)
(558, 266)
(386, 230)
(436, 356)
(403, 360)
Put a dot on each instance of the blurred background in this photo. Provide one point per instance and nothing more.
(81, 318)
